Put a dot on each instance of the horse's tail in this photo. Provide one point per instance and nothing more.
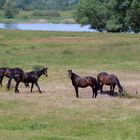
(96, 85)
(9, 82)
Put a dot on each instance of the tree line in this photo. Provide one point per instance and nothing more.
(12, 7)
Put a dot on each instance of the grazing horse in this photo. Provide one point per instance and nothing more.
(31, 77)
(8, 72)
(83, 82)
(112, 80)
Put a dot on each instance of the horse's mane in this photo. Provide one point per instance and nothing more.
(37, 70)
(74, 74)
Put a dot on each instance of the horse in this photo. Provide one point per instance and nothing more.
(31, 77)
(112, 80)
(83, 82)
(8, 72)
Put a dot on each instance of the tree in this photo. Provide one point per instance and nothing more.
(109, 15)
(2, 2)
(23, 4)
(134, 16)
(10, 9)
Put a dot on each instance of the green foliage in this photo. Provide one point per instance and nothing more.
(110, 15)
(41, 4)
(2, 2)
(39, 8)
(10, 9)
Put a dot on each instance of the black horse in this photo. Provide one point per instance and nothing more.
(9, 72)
(30, 77)
(83, 82)
(112, 80)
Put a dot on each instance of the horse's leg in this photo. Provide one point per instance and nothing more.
(101, 87)
(76, 90)
(93, 91)
(111, 90)
(16, 87)
(32, 85)
(38, 87)
(9, 81)
(1, 78)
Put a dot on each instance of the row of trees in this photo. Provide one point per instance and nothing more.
(11, 7)
(110, 15)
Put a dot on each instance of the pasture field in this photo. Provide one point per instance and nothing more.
(56, 114)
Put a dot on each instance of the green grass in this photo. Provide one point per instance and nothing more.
(108, 51)
(57, 114)
(100, 120)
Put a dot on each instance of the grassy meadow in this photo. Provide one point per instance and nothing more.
(56, 114)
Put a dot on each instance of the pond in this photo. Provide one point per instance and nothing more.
(46, 27)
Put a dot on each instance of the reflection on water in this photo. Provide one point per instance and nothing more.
(10, 26)
(46, 27)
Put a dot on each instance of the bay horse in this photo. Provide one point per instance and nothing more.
(112, 80)
(9, 72)
(30, 77)
(83, 82)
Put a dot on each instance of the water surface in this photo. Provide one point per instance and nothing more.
(46, 27)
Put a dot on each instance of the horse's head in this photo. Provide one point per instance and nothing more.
(70, 73)
(45, 71)
(121, 91)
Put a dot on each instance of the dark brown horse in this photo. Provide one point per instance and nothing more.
(30, 77)
(112, 80)
(8, 72)
(83, 82)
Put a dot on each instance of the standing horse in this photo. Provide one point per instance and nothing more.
(8, 72)
(31, 77)
(112, 80)
(83, 82)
